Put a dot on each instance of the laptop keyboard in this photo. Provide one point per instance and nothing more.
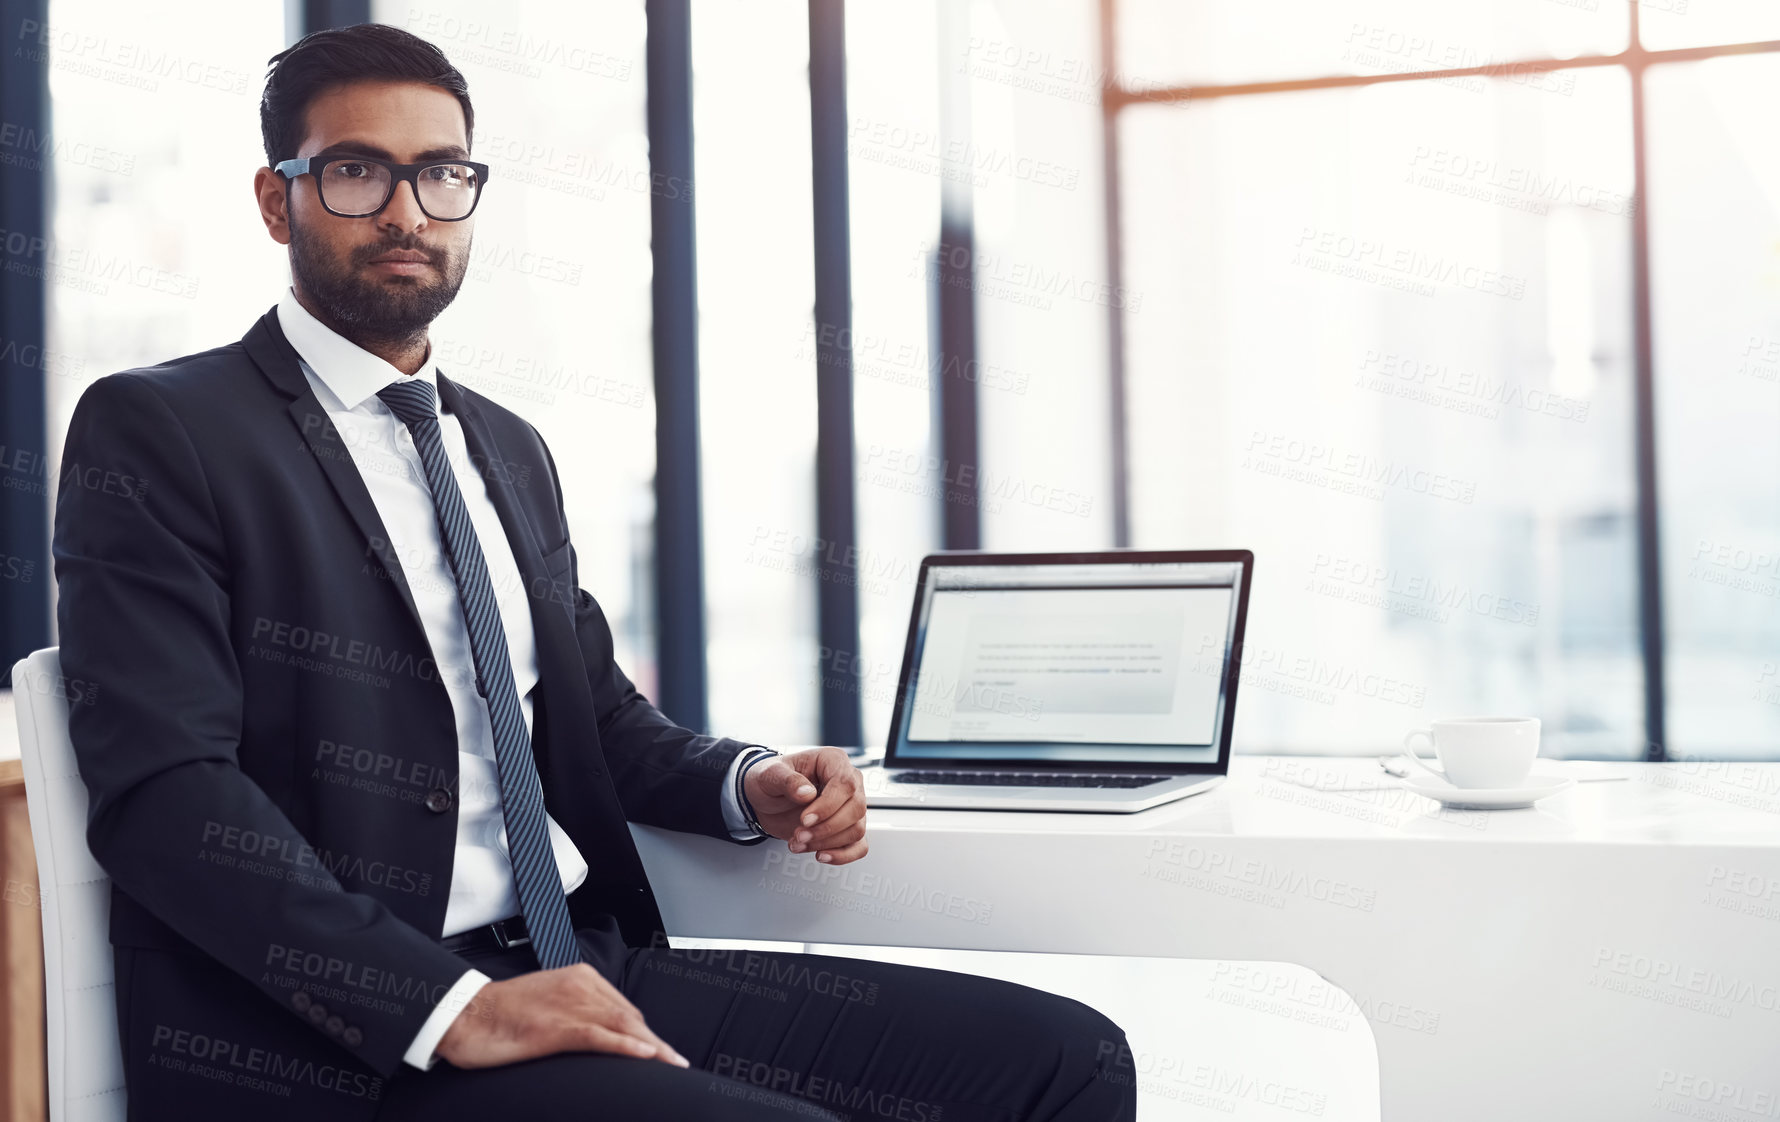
(1025, 778)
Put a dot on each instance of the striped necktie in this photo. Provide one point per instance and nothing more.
(535, 872)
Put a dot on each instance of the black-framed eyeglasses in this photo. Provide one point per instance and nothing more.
(360, 186)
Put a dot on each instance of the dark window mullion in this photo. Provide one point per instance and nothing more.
(1650, 587)
(679, 547)
(1117, 392)
(24, 329)
(319, 15)
(955, 404)
(837, 592)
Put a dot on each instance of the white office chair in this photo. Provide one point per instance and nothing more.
(86, 1067)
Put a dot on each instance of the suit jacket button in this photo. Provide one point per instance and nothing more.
(300, 1001)
(438, 800)
(317, 1013)
(352, 1037)
(334, 1024)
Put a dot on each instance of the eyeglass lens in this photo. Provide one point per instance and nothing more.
(353, 187)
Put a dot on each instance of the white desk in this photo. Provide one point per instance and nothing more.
(1613, 953)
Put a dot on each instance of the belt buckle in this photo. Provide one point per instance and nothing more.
(503, 939)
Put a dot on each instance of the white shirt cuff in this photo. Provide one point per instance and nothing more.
(420, 1053)
(732, 807)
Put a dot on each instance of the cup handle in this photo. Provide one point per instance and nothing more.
(1409, 750)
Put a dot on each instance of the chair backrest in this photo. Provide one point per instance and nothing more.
(86, 1069)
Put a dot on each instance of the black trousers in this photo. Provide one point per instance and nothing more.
(783, 1035)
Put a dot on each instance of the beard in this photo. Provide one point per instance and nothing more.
(368, 309)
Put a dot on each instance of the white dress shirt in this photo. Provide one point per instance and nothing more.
(346, 378)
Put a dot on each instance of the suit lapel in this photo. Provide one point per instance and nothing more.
(553, 630)
(550, 627)
(277, 360)
(336, 463)
(485, 456)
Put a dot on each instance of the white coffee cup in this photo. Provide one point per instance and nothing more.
(1480, 751)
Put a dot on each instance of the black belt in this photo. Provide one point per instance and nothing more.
(496, 936)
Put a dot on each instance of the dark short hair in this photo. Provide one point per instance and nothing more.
(336, 56)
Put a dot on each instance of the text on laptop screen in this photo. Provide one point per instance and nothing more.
(1089, 662)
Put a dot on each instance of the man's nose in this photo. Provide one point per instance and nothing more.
(403, 211)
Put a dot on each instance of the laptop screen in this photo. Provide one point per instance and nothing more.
(1107, 662)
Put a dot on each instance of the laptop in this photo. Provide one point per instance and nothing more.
(1066, 681)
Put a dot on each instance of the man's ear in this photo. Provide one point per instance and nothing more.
(272, 194)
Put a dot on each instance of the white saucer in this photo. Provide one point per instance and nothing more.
(1489, 798)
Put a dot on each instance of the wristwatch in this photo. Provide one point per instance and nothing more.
(741, 790)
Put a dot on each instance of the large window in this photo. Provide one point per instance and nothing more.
(1030, 148)
(553, 318)
(751, 131)
(1405, 383)
(1715, 251)
(949, 117)
(163, 253)
(1462, 316)
(1393, 254)
(157, 249)
(895, 171)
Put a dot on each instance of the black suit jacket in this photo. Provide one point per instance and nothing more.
(270, 752)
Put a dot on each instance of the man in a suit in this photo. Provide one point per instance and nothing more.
(359, 756)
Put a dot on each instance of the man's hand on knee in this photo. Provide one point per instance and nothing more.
(571, 1009)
